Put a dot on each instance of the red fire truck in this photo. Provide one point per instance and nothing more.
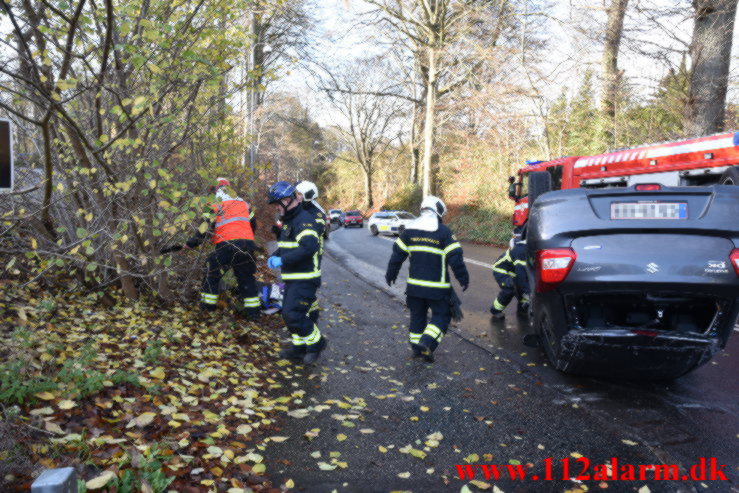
(702, 161)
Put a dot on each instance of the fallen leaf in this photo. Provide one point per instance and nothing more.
(47, 396)
(100, 481)
(629, 442)
(481, 484)
(66, 404)
(53, 428)
(259, 468)
(158, 373)
(404, 475)
(323, 466)
(43, 411)
(341, 437)
(278, 439)
(142, 420)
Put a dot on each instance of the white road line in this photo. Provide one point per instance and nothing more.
(468, 260)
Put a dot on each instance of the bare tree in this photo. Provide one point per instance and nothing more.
(433, 27)
(710, 53)
(370, 118)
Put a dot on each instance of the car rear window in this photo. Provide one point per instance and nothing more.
(406, 215)
(353, 213)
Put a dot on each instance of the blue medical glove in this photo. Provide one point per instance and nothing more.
(274, 262)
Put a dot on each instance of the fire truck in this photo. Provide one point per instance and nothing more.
(701, 161)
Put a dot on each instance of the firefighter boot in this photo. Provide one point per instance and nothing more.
(292, 352)
(426, 352)
(497, 314)
(314, 351)
(417, 350)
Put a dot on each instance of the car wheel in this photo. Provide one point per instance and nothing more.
(539, 182)
(549, 338)
(730, 176)
(373, 230)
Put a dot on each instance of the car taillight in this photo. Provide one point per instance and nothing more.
(648, 187)
(734, 256)
(553, 266)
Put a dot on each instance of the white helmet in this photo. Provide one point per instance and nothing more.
(435, 204)
(308, 190)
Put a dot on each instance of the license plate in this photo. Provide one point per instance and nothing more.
(649, 210)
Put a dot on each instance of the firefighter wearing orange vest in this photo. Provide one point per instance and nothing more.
(232, 233)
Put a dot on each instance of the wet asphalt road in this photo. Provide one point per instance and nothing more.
(679, 422)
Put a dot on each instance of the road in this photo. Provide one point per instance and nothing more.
(692, 417)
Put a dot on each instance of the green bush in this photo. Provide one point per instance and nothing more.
(482, 224)
(408, 198)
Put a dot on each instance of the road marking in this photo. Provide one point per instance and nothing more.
(468, 260)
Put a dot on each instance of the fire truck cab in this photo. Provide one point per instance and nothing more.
(701, 161)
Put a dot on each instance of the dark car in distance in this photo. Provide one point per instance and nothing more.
(352, 218)
(638, 282)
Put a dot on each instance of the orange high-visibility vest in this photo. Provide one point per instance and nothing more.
(232, 221)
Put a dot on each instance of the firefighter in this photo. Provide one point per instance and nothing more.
(298, 256)
(232, 233)
(509, 271)
(431, 247)
(308, 192)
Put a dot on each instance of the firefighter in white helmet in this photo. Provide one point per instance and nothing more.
(431, 246)
(307, 191)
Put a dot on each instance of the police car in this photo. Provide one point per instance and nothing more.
(389, 222)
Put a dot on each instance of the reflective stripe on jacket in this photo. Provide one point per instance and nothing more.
(430, 253)
(299, 246)
(232, 221)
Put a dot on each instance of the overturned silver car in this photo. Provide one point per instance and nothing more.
(638, 282)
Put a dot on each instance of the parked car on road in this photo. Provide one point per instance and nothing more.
(389, 222)
(637, 282)
(352, 218)
(334, 215)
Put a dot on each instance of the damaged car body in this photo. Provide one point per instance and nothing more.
(638, 282)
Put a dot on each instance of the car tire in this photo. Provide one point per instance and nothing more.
(373, 230)
(730, 176)
(540, 182)
(361, 225)
(544, 325)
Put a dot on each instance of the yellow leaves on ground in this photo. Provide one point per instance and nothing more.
(341, 437)
(158, 373)
(47, 396)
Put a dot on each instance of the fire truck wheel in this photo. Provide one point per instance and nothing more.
(730, 176)
(539, 182)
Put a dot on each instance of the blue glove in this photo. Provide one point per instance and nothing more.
(274, 262)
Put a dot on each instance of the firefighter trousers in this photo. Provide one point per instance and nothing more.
(508, 290)
(234, 255)
(422, 331)
(296, 306)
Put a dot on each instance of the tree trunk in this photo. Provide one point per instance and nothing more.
(368, 187)
(609, 63)
(413, 177)
(48, 184)
(429, 121)
(710, 53)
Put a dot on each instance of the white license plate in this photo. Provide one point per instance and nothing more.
(649, 210)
